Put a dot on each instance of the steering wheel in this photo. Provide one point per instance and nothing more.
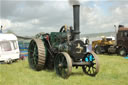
(63, 28)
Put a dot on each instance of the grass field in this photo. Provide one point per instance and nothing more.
(113, 71)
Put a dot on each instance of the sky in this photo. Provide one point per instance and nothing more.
(29, 17)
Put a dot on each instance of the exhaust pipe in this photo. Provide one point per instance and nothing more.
(121, 26)
(76, 31)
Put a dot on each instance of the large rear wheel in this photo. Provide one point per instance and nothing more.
(63, 65)
(37, 54)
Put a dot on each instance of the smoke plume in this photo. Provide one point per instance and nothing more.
(74, 2)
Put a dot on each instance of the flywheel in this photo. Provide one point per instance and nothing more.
(37, 54)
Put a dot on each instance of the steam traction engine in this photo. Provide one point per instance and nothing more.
(62, 50)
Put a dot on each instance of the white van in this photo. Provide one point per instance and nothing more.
(9, 49)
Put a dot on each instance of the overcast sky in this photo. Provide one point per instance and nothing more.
(29, 17)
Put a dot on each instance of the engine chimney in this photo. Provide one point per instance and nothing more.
(76, 22)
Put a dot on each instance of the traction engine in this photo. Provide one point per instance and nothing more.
(62, 50)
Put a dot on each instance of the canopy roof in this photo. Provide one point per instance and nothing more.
(123, 29)
(7, 37)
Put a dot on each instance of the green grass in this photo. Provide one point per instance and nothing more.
(113, 71)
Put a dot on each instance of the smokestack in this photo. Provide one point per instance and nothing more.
(76, 21)
(74, 2)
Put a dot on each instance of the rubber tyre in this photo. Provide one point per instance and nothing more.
(98, 50)
(122, 52)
